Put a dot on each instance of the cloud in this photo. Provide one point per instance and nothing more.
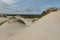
(10, 1)
(4, 9)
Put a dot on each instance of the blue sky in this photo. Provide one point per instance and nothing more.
(29, 6)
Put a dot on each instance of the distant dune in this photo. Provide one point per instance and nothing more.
(45, 27)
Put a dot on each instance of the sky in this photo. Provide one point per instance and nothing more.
(27, 6)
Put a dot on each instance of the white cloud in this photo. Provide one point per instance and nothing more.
(10, 1)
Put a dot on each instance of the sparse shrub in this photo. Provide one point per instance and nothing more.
(52, 9)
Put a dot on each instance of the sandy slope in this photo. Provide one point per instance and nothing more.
(49, 25)
(46, 28)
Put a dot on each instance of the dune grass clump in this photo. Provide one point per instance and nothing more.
(20, 21)
(2, 23)
(3, 15)
(52, 9)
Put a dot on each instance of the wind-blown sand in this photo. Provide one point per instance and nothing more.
(46, 28)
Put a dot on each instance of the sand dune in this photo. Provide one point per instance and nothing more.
(49, 26)
(46, 28)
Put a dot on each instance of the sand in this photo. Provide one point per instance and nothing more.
(46, 28)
